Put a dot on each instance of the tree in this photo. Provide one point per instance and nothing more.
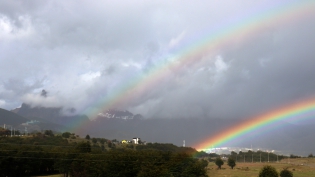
(49, 133)
(310, 155)
(219, 162)
(286, 173)
(87, 137)
(233, 153)
(204, 163)
(66, 134)
(268, 171)
(231, 163)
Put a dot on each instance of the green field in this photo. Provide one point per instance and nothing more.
(301, 167)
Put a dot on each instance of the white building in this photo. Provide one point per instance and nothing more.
(136, 140)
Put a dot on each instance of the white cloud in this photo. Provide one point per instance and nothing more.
(90, 76)
(37, 100)
(10, 31)
(132, 64)
(220, 65)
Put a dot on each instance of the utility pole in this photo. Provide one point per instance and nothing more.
(244, 158)
(268, 156)
(277, 159)
(11, 131)
(260, 157)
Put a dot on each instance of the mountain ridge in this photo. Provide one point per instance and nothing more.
(11, 118)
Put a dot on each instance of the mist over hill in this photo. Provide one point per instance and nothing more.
(53, 115)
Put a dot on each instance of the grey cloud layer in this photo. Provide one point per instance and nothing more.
(80, 51)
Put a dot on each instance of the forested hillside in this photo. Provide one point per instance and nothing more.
(67, 154)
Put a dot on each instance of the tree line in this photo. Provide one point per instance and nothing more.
(258, 156)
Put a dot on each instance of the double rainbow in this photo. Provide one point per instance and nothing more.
(245, 27)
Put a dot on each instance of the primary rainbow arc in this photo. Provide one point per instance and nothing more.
(302, 110)
(247, 27)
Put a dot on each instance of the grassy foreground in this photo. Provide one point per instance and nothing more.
(301, 167)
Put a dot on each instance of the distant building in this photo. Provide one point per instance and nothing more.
(136, 140)
(124, 142)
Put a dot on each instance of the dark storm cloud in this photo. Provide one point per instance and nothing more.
(81, 51)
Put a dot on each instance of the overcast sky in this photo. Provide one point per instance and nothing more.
(81, 52)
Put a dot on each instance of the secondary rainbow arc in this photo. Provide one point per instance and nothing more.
(207, 43)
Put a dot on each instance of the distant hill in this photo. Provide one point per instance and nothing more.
(40, 112)
(52, 116)
(10, 118)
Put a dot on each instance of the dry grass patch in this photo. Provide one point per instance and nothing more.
(303, 167)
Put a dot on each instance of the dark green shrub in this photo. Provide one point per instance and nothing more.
(268, 171)
(219, 162)
(231, 163)
(286, 173)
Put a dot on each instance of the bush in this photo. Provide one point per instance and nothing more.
(219, 162)
(286, 173)
(231, 162)
(268, 171)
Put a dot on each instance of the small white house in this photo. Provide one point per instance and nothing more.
(136, 140)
